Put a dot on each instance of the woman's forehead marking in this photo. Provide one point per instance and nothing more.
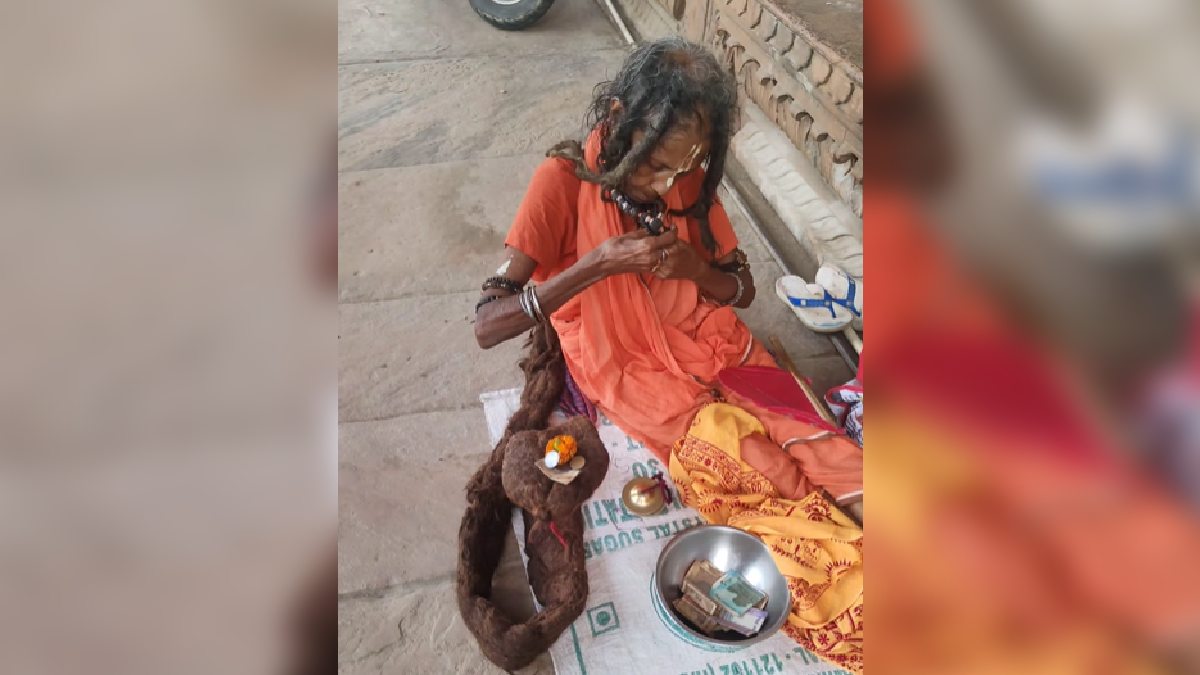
(684, 166)
(687, 164)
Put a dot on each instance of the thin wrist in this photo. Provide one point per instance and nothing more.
(708, 274)
(717, 278)
(594, 266)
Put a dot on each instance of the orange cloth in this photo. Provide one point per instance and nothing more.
(545, 227)
(643, 350)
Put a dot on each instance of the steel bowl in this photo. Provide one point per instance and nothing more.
(729, 550)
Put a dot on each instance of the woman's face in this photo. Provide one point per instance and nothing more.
(680, 152)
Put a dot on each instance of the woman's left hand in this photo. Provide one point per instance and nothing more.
(680, 261)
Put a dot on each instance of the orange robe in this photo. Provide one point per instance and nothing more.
(648, 350)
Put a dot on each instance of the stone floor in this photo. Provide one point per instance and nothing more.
(442, 120)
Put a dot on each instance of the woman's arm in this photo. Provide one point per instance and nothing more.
(722, 285)
(684, 262)
(503, 319)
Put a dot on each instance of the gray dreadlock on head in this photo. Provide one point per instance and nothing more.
(661, 84)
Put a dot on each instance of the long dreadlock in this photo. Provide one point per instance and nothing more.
(661, 84)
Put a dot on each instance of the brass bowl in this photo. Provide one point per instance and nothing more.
(643, 496)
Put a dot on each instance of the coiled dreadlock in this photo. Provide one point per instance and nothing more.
(660, 84)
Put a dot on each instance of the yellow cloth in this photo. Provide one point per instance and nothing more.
(816, 546)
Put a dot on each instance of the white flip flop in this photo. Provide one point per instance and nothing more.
(844, 291)
(813, 305)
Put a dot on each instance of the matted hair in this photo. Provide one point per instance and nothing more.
(660, 85)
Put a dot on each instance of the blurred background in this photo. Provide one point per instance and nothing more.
(1033, 459)
(167, 386)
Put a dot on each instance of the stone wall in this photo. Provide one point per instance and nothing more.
(809, 87)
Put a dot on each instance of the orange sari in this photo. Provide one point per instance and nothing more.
(646, 350)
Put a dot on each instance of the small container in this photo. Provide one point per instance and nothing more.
(643, 496)
(729, 550)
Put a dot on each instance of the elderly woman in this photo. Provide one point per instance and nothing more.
(638, 271)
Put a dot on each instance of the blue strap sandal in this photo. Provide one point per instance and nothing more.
(842, 290)
(816, 308)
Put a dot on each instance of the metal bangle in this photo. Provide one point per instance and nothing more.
(736, 296)
(527, 304)
(524, 300)
(536, 303)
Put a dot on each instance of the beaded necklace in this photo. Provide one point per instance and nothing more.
(648, 217)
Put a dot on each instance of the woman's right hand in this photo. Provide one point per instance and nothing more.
(636, 252)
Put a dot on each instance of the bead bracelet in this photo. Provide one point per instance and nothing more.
(503, 283)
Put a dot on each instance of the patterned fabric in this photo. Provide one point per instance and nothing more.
(816, 546)
(846, 402)
(574, 402)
